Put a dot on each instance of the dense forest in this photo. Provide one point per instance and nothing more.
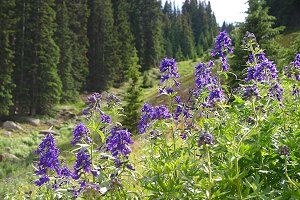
(52, 50)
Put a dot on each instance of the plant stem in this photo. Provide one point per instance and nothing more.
(287, 175)
(210, 181)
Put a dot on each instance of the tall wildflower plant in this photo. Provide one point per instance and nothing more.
(222, 144)
(218, 144)
(101, 155)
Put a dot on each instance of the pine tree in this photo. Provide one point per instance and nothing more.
(78, 12)
(187, 38)
(146, 18)
(102, 53)
(46, 85)
(38, 87)
(21, 75)
(133, 97)
(261, 24)
(136, 18)
(63, 39)
(152, 22)
(125, 38)
(7, 21)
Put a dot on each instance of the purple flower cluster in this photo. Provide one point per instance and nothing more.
(105, 119)
(80, 132)
(204, 76)
(48, 158)
(182, 109)
(292, 71)
(93, 103)
(284, 150)
(249, 39)
(206, 138)
(117, 143)
(112, 100)
(251, 91)
(215, 95)
(152, 113)
(263, 71)
(169, 68)
(276, 91)
(82, 164)
(223, 43)
(82, 186)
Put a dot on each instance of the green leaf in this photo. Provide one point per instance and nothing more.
(238, 100)
(101, 135)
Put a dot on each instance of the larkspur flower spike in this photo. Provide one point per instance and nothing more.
(48, 158)
(222, 45)
(168, 68)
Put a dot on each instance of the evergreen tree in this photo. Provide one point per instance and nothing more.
(286, 12)
(102, 53)
(63, 39)
(38, 86)
(125, 38)
(136, 19)
(261, 24)
(7, 21)
(23, 55)
(187, 38)
(46, 85)
(167, 30)
(133, 97)
(151, 19)
(146, 18)
(78, 19)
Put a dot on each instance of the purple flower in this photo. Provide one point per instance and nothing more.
(79, 132)
(182, 109)
(204, 76)
(295, 90)
(113, 100)
(129, 166)
(65, 172)
(117, 143)
(168, 68)
(48, 158)
(249, 39)
(82, 186)
(177, 99)
(82, 164)
(93, 103)
(223, 43)
(263, 70)
(251, 91)
(105, 119)
(42, 180)
(276, 91)
(152, 113)
(206, 138)
(215, 95)
(284, 150)
(293, 69)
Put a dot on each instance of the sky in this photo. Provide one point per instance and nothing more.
(225, 10)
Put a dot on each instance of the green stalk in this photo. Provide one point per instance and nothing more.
(287, 175)
(210, 181)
